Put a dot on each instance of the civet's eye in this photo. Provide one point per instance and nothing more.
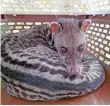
(81, 48)
(80, 23)
(63, 49)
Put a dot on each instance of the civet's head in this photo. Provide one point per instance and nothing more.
(70, 41)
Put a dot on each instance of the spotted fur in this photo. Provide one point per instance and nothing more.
(33, 70)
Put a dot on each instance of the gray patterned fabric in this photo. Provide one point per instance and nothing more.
(35, 71)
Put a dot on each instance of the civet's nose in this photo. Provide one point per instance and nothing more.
(74, 71)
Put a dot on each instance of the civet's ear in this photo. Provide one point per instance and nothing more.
(56, 27)
(85, 24)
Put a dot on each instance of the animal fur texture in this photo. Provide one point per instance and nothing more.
(32, 68)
